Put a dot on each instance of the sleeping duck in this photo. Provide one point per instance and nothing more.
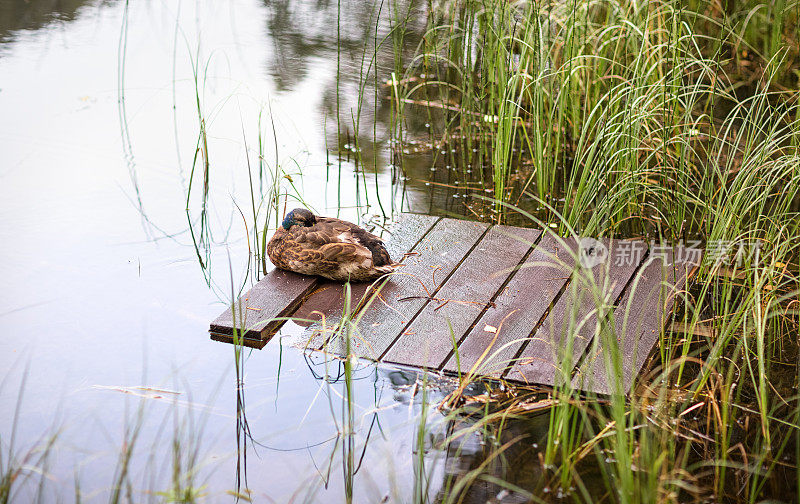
(328, 247)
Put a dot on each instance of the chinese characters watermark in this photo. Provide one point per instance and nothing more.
(630, 253)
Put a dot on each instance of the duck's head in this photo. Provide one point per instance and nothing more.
(298, 217)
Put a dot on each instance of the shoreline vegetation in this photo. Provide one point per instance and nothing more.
(673, 121)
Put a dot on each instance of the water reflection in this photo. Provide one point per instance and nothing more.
(507, 452)
(16, 15)
(369, 407)
(372, 41)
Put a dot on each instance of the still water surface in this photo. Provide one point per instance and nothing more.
(102, 290)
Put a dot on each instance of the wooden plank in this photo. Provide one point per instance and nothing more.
(397, 300)
(504, 328)
(570, 326)
(638, 321)
(427, 341)
(277, 295)
(329, 301)
(326, 304)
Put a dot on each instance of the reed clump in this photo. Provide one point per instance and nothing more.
(671, 121)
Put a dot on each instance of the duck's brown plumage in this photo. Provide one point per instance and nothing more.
(329, 248)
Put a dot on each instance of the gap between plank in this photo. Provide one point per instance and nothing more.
(494, 296)
(588, 349)
(435, 291)
(538, 324)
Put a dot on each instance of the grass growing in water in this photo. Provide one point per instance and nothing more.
(673, 121)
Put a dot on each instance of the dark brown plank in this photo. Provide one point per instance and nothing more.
(504, 328)
(328, 301)
(427, 340)
(326, 304)
(402, 295)
(262, 310)
(638, 322)
(572, 320)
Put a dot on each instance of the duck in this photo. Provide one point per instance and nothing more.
(327, 247)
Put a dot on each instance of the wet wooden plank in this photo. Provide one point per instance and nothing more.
(566, 332)
(397, 300)
(262, 310)
(504, 328)
(638, 321)
(328, 301)
(427, 341)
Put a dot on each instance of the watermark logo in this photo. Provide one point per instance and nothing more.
(717, 253)
(591, 252)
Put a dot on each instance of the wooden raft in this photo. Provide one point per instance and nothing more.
(515, 302)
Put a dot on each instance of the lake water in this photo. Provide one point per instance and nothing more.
(103, 298)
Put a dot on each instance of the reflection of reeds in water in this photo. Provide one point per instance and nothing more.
(16, 463)
(122, 112)
(170, 469)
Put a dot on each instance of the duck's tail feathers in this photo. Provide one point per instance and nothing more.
(389, 268)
